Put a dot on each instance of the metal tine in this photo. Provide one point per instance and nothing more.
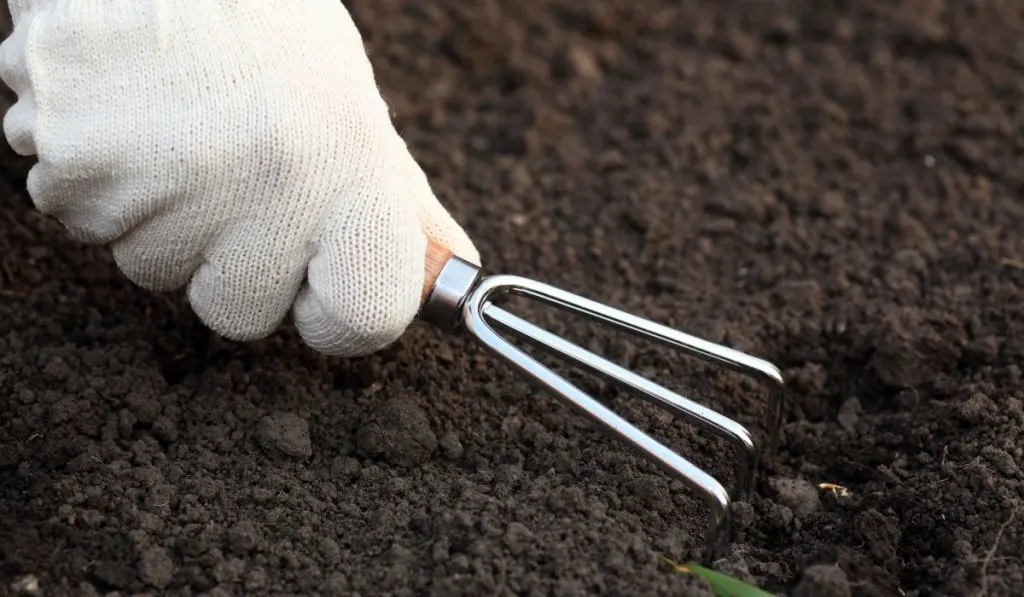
(457, 295)
(631, 382)
(704, 350)
(714, 494)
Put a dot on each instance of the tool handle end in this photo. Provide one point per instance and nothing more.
(436, 258)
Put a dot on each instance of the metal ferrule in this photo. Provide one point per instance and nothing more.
(443, 307)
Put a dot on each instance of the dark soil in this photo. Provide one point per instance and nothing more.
(835, 186)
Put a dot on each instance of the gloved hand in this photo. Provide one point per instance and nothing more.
(241, 148)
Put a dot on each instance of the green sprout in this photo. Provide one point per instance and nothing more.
(720, 584)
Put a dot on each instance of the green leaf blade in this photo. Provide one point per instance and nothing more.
(720, 584)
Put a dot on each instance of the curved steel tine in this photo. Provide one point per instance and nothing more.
(710, 489)
(707, 351)
(638, 385)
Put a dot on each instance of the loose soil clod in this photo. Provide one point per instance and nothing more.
(830, 185)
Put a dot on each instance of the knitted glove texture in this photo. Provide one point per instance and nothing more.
(240, 149)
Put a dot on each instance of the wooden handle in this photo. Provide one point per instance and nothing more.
(437, 256)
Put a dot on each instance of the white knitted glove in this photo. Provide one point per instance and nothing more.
(241, 148)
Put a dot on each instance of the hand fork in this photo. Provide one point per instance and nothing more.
(457, 296)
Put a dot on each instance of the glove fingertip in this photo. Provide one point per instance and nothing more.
(350, 333)
(354, 305)
(19, 126)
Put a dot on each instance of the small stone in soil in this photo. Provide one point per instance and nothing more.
(286, 434)
(451, 446)
(25, 585)
(849, 414)
(397, 430)
(156, 568)
(797, 494)
(910, 350)
(823, 581)
(242, 537)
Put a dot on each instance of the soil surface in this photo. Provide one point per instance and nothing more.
(834, 186)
